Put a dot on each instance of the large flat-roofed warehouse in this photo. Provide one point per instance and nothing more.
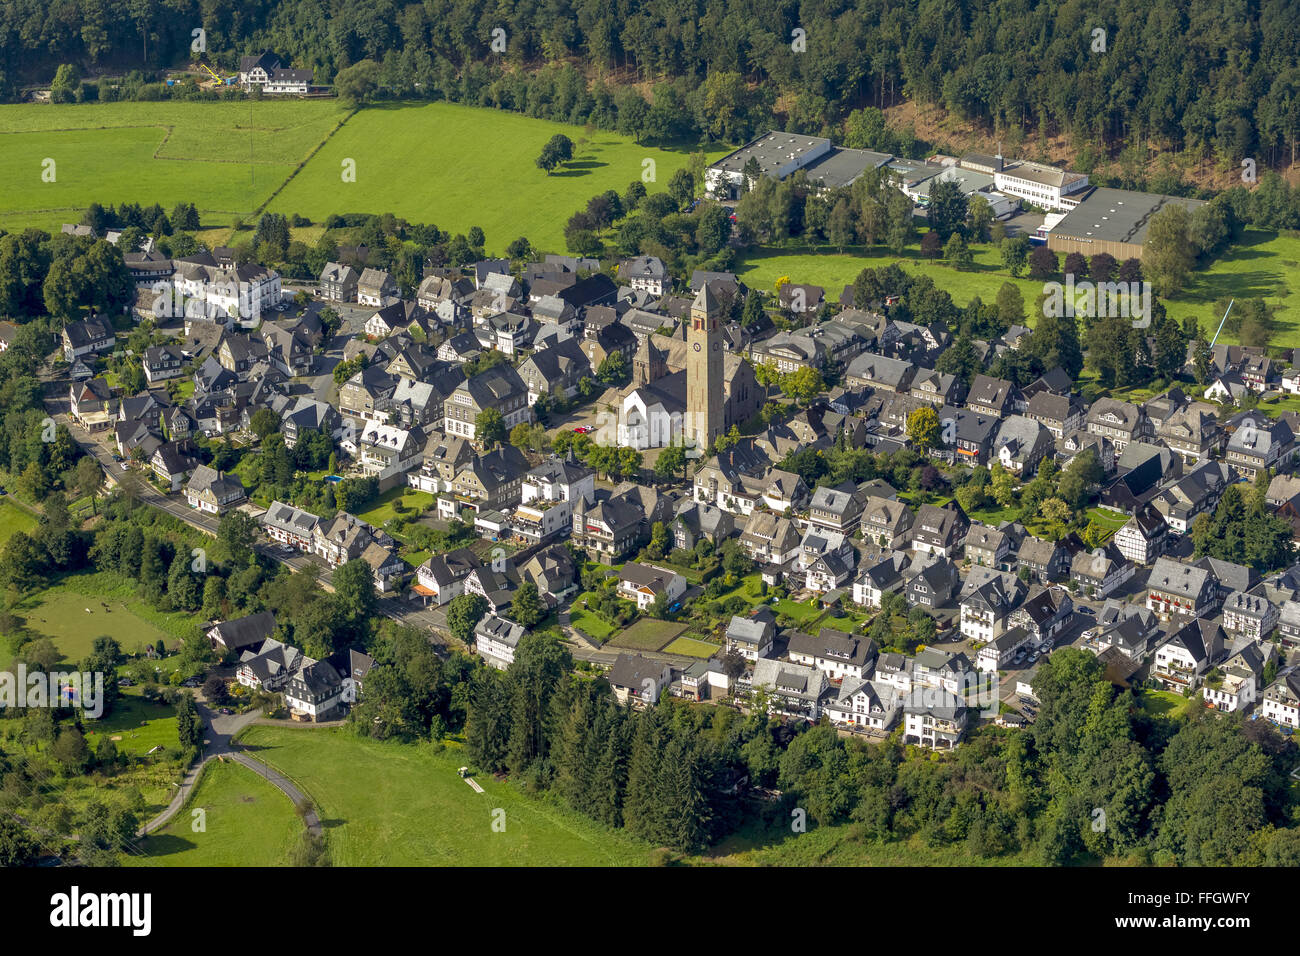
(1113, 221)
(782, 154)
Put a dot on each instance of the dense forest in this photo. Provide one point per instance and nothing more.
(1216, 78)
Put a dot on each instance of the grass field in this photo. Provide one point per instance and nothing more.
(383, 510)
(460, 166)
(1265, 264)
(648, 634)
(13, 518)
(587, 621)
(799, 611)
(226, 158)
(456, 166)
(394, 804)
(136, 726)
(60, 614)
(690, 647)
(246, 822)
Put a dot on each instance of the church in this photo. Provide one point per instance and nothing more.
(687, 389)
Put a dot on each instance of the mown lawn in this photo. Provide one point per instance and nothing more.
(383, 510)
(648, 634)
(245, 822)
(391, 804)
(799, 611)
(135, 726)
(690, 647)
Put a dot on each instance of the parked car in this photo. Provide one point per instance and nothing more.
(582, 429)
(1033, 658)
(1086, 610)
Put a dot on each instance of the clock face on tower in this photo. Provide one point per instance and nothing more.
(697, 346)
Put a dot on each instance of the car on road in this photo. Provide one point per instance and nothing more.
(225, 710)
(1033, 658)
(126, 465)
(582, 429)
(190, 683)
(1086, 610)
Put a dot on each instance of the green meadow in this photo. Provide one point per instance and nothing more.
(1264, 265)
(390, 804)
(226, 158)
(245, 822)
(456, 166)
(461, 166)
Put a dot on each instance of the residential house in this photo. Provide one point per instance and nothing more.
(442, 576)
(752, 636)
(499, 387)
(1142, 538)
(1001, 650)
(269, 668)
(1121, 422)
(608, 527)
(838, 655)
(987, 598)
(881, 577)
(1188, 654)
(887, 522)
(643, 584)
(770, 539)
(1234, 684)
(638, 680)
(242, 633)
(934, 585)
(992, 397)
(175, 461)
(496, 638)
(1177, 588)
(1252, 448)
(338, 282)
(162, 362)
(864, 704)
(1249, 615)
(88, 337)
(940, 531)
(1020, 445)
(212, 491)
(1281, 703)
(289, 525)
(1100, 572)
(934, 720)
(1059, 414)
(993, 547)
(791, 690)
(375, 287)
(1043, 615)
(315, 692)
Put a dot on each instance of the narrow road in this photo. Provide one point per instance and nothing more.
(218, 739)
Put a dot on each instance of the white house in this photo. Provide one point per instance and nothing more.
(1000, 651)
(870, 705)
(495, 639)
(1282, 701)
(643, 583)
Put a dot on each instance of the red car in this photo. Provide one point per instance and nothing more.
(582, 429)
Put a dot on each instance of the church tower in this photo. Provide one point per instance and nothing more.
(704, 403)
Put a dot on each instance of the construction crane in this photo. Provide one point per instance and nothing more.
(220, 81)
